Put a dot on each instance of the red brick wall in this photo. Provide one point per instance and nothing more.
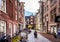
(50, 8)
(9, 8)
(21, 12)
(10, 15)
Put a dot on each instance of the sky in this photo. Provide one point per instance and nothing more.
(28, 13)
(30, 6)
(0, 3)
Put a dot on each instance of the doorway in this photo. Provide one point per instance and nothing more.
(2, 28)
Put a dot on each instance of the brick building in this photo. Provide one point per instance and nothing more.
(51, 10)
(9, 17)
(30, 21)
(27, 21)
(22, 16)
(41, 13)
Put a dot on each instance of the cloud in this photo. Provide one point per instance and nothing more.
(31, 5)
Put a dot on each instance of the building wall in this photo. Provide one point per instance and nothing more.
(51, 10)
(4, 17)
(22, 14)
(10, 17)
(41, 13)
(31, 21)
(27, 21)
(36, 20)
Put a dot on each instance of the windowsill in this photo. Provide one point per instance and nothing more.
(3, 11)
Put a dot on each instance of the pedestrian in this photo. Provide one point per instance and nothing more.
(35, 34)
(29, 31)
(2, 39)
(23, 37)
(54, 34)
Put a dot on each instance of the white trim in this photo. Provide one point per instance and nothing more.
(4, 7)
(10, 27)
(3, 25)
(5, 29)
(53, 24)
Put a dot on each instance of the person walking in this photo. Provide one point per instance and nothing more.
(23, 35)
(35, 34)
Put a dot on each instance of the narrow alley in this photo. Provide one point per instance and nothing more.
(39, 39)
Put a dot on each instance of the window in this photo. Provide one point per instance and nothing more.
(47, 0)
(3, 5)
(53, 14)
(59, 3)
(31, 22)
(16, 15)
(16, 2)
(51, 1)
(59, 10)
(3, 2)
(31, 19)
(47, 7)
(14, 28)
(10, 27)
(19, 14)
(45, 18)
(44, 9)
(2, 27)
(0, 4)
(10, 2)
(31, 16)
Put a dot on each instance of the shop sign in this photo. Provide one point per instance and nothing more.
(57, 19)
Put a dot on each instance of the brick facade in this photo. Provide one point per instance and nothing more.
(31, 21)
(11, 17)
(51, 10)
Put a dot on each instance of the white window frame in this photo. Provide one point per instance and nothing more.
(3, 25)
(10, 27)
(16, 15)
(3, 5)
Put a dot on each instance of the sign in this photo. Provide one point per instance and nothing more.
(57, 19)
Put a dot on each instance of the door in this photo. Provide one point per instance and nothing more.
(55, 30)
(51, 29)
(3, 28)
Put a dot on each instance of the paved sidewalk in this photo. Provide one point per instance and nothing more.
(50, 37)
(40, 38)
